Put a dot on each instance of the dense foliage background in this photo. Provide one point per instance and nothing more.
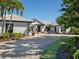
(70, 14)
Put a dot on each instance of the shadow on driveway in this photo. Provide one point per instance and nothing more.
(25, 47)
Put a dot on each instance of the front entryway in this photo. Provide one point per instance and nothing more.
(38, 28)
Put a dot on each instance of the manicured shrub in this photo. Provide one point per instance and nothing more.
(77, 42)
(76, 54)
(16, 34)
(74, 30)
(33, 33)
(5, 35)
(71, 45)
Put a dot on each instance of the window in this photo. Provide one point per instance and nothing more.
(9, 28)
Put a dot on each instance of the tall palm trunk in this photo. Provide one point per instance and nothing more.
(4, 18)
(3, 21)
(9, 23)
(10, 19)
(2, 11)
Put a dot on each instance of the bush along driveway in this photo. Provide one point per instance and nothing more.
(62, 49)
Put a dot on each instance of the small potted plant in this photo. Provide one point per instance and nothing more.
(33, 33)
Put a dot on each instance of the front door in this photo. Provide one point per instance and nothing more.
(9, 28)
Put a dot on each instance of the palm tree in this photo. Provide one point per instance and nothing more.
(3, 5)
(2, 8)
(15, 5)
(10, 5)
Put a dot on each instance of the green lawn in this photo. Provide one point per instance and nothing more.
(50, 53)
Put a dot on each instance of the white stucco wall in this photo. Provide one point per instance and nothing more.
(0, 27)
(52, 29)
(18, 27)
(68, 30)
(43, 28)
(34, 28)
(58, 29)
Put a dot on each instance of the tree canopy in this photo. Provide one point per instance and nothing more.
(70, 13)
(8, 6)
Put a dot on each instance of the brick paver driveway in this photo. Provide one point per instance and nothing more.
(25, 48)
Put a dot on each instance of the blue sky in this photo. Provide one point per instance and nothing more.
(42, 9)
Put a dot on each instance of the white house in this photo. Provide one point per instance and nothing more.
(37, 26)
(17, 24)
(41, 26)
(56, 27)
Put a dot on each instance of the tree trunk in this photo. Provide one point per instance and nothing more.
(9, 26)
(4, 17)
(2, 12)
(9, 23)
